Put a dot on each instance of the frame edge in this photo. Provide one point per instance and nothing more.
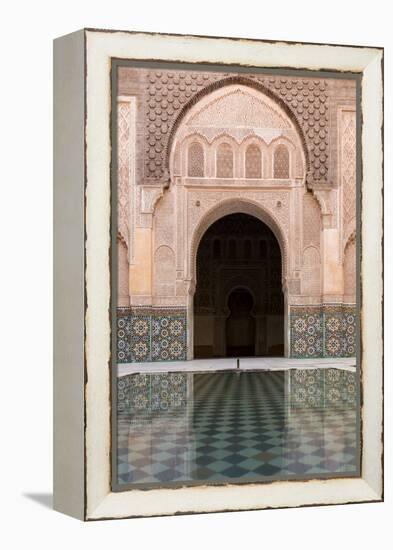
(69, 274)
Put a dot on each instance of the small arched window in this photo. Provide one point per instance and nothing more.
(224, 167)
(253, 162)
(195, 160)
(281, 162)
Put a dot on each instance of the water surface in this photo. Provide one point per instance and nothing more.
(236, 427)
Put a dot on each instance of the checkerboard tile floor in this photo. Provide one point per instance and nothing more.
(236, 427)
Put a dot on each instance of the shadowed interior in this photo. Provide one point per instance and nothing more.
(238, 302)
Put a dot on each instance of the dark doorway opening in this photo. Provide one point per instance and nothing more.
(238, 302)
(240, 324)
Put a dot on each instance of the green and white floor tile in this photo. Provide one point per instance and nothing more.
(236, 427)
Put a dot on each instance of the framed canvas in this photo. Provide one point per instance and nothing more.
(218, 274)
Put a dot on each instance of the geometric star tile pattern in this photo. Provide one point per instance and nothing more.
(146, 334)
(340, 331)
(323, 331)
(177, 428)
(306, 332)
(160, 334)
(168, 337)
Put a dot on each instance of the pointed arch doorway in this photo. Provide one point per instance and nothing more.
(238, 307)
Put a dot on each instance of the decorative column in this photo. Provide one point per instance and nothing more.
(141, 268)
(332, 279)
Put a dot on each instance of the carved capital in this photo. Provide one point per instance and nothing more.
(324, 196)
(149, 197)
(351, 239)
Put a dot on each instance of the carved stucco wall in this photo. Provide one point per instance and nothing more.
(311, 258)
(347, 127)
(126, 144)
(123, 169)
(170, 94)
(162, 113)
(164, 271)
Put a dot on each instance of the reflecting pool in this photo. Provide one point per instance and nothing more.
(236, 427)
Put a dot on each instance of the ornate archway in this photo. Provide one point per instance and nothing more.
(235, 150)
(221, 86)
(218, 268)
(237, 205)
(217, 144)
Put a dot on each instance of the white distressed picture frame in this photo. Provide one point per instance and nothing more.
(82, 382)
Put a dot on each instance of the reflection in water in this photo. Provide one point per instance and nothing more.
(220, 427)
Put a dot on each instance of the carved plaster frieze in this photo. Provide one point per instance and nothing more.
(210, 134)
(123, 161)
(171, 93)
(240, 109)
(348, 162)
(199, 202)
(292, 287)
(204, 208)
(275, 202)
